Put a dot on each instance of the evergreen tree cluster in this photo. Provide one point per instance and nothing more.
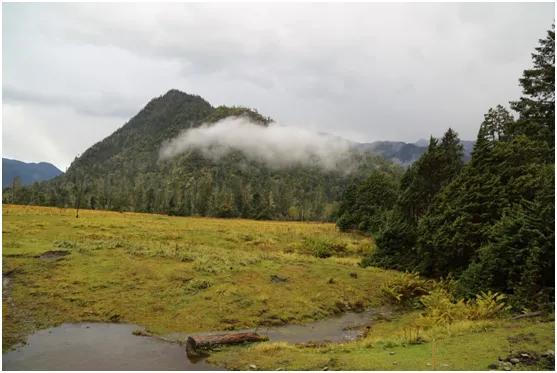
(490, 223)
(366, 202)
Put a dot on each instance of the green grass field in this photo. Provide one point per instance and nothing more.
(175, 274)
(183, 274)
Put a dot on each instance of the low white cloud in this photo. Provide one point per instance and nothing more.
(275, 145)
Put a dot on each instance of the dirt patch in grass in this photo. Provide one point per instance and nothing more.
(278, 279)
(53, 254)
(522, 337)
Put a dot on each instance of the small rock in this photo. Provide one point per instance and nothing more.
(507, 366)
(278, 369)
(141, 333)
(428, 364)
(325, 368)
(278, 279)
(524, 355)
(548, 353)
(514, 360)
(391, 352)
(115, 318)
(253, 366)
(395, 363)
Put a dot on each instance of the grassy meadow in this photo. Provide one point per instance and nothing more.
(177, 274)
(187, 274)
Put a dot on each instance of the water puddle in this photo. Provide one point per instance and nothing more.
(111, 346)
(97, 346)
(339, 328)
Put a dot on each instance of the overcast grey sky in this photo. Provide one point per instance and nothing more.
(73, 73)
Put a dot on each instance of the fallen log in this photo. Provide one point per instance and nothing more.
(195, 344)
(529, 314)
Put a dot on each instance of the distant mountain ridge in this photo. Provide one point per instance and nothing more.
(28, 173)
(406, 153)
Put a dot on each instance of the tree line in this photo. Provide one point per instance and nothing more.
(489, 223)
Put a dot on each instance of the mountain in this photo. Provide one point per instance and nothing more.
(28, 172)
(421, 142)
(405, 153)
(123, 172)
(395, 151)
(468, 147)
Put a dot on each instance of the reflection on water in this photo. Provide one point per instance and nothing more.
(97, 346)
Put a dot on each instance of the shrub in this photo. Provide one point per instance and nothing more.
(345, 222)
(406, 289)
(194, 286)
(442, 309)
(394, 245)
(488, 305)
(65, 244)
(324, 248)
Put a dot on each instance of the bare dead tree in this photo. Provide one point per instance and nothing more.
(15, 183)
(79, 193)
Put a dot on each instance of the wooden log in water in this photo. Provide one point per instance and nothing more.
(196, 343)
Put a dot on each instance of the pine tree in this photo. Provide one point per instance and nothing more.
(537, 107)
(396, 242)
(519, 257)
(365, 203)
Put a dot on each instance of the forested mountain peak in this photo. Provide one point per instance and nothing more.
(177, 94)
(162, 118)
